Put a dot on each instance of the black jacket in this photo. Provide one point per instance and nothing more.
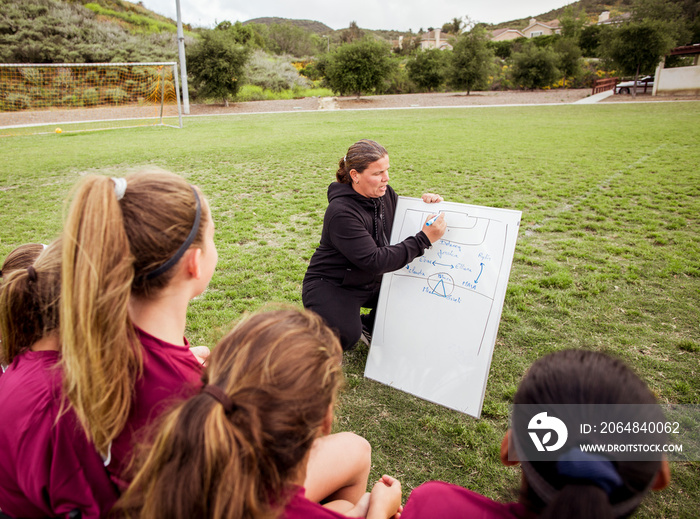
(354, 249)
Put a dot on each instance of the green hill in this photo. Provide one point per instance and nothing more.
(307, 25)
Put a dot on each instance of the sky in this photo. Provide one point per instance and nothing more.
(400, 15)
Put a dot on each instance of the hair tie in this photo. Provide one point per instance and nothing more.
(345, 159)
(218, 394)
(597, 469)
(119, 187)
(183, 248)
(31, 273)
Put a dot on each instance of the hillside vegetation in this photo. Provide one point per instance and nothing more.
(54, 31)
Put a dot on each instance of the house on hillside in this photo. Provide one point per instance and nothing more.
(533, 30)
(605, 19)
(536, 28)
(432, 40)
(506, 34)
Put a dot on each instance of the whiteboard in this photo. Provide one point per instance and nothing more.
(437, 318)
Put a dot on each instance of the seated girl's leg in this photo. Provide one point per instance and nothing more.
(338, 468)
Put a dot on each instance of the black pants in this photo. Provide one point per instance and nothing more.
(340, 308)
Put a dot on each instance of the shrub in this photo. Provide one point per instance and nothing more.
(116, 96)
(535, 67)
(273, 73)
(14, 102)
(91, 97)
(428, 69)
(250, 93)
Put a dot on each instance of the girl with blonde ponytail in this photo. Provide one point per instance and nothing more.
(240, 448)
(135, 252)
(48, 468)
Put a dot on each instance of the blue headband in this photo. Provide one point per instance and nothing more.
(183, 248)
(599, 470)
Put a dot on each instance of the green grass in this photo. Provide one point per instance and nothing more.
(608, 256)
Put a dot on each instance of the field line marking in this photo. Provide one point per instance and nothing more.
(569, 206)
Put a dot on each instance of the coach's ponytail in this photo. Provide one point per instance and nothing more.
(359, 156)
(236, 449)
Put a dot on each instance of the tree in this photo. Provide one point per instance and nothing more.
(569, 54)
(535, 67)
(351, 34)
(667, 13)
(589, 40)
(358, 67)
(216, 63)
(286, 38)
(471, 61)
(453, 27)
(428, 69)
(637, 47)
(572, 23)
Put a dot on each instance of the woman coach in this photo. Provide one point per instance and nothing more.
(345, 272)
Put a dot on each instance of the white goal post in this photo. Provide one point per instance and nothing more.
(35, 97)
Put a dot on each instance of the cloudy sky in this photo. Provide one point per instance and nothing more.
(400, 15)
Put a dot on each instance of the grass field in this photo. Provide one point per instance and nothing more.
(608, 256)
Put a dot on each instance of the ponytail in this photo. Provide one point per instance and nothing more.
(203, 463)
(122, 239)
(359, 156)
(29, 303)
(579, 501)
(235, 450)
(99, 357)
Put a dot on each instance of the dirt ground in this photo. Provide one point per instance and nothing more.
(397, 101)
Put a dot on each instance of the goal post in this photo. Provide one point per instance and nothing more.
(36, 98)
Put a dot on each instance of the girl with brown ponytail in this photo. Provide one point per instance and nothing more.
(48, 468)
(135, 252)
(240, 448)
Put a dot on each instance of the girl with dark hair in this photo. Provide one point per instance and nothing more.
(346, 270)
(578, 484)
(240, 448)
(135, 252)
(20, 258)
(48, 468)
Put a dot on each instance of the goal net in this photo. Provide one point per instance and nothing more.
(64, 97)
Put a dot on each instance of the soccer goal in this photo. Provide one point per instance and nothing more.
(65, 97)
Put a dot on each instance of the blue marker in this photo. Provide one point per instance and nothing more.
(432, 220)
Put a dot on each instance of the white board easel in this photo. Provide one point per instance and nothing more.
(437, 318)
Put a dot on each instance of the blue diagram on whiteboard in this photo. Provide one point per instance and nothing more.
(437, 317)
(460, 267)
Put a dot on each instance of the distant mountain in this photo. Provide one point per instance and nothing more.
(309, 25)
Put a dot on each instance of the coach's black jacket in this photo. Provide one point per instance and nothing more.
(354, 251)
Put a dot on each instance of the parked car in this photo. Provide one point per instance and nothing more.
(644, 86)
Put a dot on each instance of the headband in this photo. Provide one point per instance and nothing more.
(183, 248)
(218, 394)
(597, 469)
(119, 187)
(547, 492)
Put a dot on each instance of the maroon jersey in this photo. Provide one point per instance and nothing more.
(171, 373)
(47, 465)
